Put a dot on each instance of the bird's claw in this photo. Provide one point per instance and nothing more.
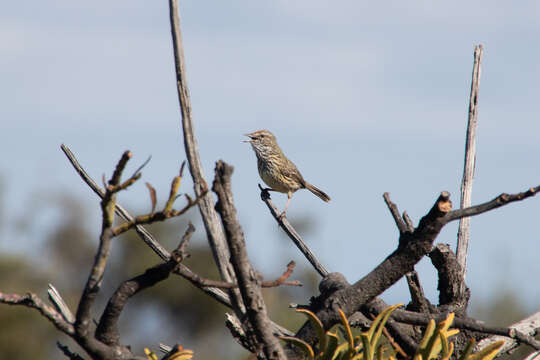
(282, 216)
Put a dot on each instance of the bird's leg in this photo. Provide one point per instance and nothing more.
(289, 197)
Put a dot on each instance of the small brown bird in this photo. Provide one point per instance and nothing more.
(278, 172)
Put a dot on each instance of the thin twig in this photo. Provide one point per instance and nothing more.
(123, 213)
(282, 279)
(31, 300)
(143, 233)
(414, 318)
(528, 326)
(402, 227)
(499, 201)
(83, 318)
(291, 232)
(469, 165)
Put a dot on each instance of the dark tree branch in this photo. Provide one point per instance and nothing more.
(501, 200)
(68, 353)
(107, 329)
(408, 222)
(414, 318)
(412, 247)
(419, 302)
(248, 281)
(450, 278)
(33, 301)
(402, 227)
(291, 232)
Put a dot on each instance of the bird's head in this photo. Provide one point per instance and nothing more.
(262, 141)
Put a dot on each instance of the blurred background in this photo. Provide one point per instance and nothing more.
(364, 97)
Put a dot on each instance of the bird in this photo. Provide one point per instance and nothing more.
(276, 170)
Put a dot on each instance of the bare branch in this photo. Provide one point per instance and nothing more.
(282, 279)
(107, 329)
(144, 234)
(248, 281)
(469, 166)
(501, 200)
(414, 318)
(155, 217)
(402, 227)
(93, 284)
(123, 213)
(418, 300)
(214, 230)
(291, 232)
(527, 326)
(408, 221)
(31, 300)
(450, 280)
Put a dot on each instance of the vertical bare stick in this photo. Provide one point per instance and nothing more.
(470, 163)
(212, 224)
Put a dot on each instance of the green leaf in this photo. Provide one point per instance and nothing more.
(319, 328)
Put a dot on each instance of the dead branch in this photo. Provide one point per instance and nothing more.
(32, 301)
(216, 237)
(501, 200)
(469, 166)
(143, 233)
(282, 280)
(83, 316)
(402, 227)
(291, 232)
(248, 281)
(412, 247)
(528, 326)
(107, 329)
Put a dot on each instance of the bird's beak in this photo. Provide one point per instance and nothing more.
(250, 138)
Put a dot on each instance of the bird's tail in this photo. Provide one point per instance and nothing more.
(318, 192)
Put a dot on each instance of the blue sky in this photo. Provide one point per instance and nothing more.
(364, 97)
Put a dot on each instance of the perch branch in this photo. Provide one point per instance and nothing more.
(291, 232)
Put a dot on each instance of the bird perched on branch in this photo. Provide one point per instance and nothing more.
(276, 170)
